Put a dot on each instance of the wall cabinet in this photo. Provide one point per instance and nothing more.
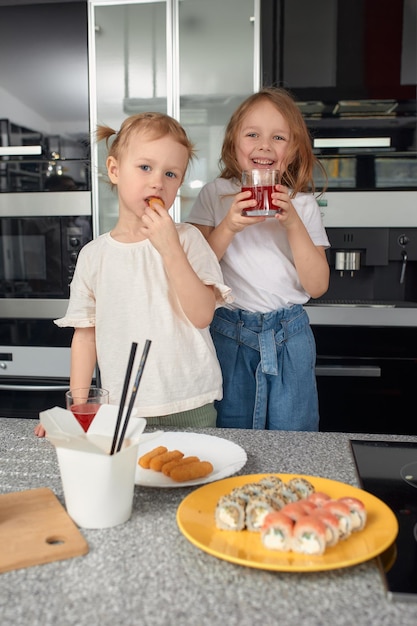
(44, 114)
(195, 60)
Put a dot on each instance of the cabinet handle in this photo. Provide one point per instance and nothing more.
(365, 371)
(34, 387)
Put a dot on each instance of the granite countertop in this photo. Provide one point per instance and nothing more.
(147, 573)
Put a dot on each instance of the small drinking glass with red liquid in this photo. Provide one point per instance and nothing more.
(261, 183)
(84, 403)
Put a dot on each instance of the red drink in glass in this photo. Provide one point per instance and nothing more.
(262, 195)
(261, 183)
(85, 413)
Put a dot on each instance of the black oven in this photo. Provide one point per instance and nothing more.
(40, 239)
(366, 378)
(34, 363)
(38, 251)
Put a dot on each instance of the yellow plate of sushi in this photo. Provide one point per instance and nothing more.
(196, 520)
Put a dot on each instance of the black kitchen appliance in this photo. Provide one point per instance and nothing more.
(366, 374)
(40, 238)
(38, 254)
(388, 469)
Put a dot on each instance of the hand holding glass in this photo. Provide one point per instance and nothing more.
(261, 183)
(85, 403)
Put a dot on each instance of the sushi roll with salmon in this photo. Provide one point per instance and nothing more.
(357, 512)
(276, 532)
(230, 513)
(332, 525)
(319, 498)
(309, 535)
(342, 512)
(294, 510)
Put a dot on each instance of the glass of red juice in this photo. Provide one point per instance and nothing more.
(84, 403)
(261, 183)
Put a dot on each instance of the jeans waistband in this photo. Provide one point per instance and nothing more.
(263, 332)
(261, 321)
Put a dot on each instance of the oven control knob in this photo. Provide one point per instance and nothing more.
(74, 242)
(3, 365)
(73, 256)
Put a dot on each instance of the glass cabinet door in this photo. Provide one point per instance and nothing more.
(128, 76)
(218, 68)
(193, 59)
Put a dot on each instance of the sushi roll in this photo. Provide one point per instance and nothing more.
(271, 481)
(230, 513)
(294, 510)
(276, 532)
(332, 525)
(275, 496)
(357, 512)
(319, 498)
(288, 493)
(307, 506)
(342, 512)
(257, 509)
(247, 491)
(301, 486)
(309, 535)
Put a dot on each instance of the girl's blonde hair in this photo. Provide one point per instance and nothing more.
(300, 160)
(155, 125)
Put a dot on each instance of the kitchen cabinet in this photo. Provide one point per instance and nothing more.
(366, 378)
(195, 60)
(44, 113)
(352, 66)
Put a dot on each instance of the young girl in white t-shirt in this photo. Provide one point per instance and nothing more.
(149, 278)
(274, 265)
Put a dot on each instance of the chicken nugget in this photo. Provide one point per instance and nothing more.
(168, 467)
(158, 461)
(145, 460)
(154, 201)
(189, 471)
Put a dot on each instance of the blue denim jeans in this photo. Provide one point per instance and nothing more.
(268, 365)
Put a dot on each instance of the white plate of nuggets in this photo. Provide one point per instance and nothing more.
(179, 459)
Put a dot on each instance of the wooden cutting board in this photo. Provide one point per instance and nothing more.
(34, 529)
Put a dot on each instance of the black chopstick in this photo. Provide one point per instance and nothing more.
(124, 394)
(134, 392)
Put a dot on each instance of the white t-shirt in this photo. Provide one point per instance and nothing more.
(122, 290)
(258, 264)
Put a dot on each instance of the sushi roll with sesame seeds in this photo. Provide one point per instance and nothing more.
(271, 481)
(230, 513)
(276, 532)
(288, 493)
(309, 535)
(274, 494)
(301, 486)
(247, 491)
(357, 512)
(257, 509)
